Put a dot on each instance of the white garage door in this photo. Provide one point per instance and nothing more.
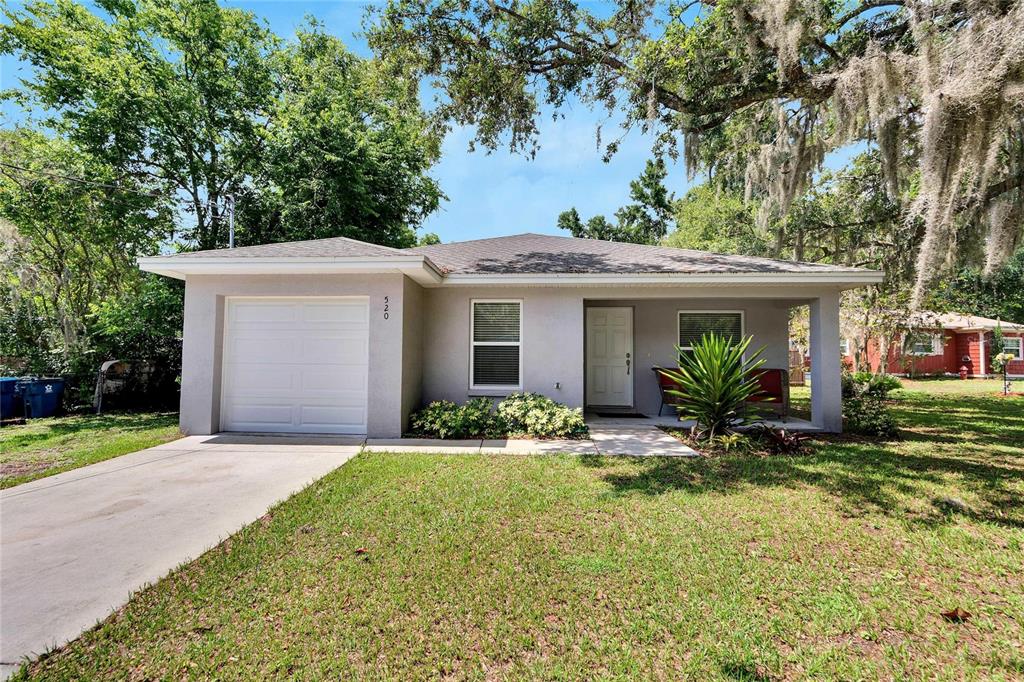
(295, 365)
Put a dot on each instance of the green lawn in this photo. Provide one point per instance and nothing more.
(832, 565)
(43, 447)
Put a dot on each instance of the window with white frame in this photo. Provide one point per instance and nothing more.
(1014, 345)
(693, 324)
(926, 345)
(495, 359)
(844, 346)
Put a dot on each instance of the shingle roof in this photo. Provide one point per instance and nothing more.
(929, 319)
(549, 254)
(334, 247)
(526, 254)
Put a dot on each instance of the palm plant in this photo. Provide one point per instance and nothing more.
(715, 381)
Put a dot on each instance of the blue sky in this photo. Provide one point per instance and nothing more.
(488, 194)
(503, 193)
(497, 193)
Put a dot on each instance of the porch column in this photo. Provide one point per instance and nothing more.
(826, 386)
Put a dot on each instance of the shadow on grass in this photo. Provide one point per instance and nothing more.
(952, 419)
(123, 422)
(865, 479)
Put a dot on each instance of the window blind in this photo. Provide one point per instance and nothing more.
(496, 344)
(495, 365)
(692, 326)
(496, 322)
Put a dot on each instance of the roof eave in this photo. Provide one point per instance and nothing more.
(418, 268)
(845, 280)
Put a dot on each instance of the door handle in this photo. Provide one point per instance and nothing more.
(627, 364)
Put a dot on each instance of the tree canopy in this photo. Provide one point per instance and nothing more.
(645, 221)
(142, 118)
(347, 154)
(206, 102)
(758, 93)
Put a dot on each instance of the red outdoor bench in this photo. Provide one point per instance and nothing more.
(774, 385)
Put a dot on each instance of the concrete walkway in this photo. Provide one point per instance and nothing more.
(619, 437)
(74, 546)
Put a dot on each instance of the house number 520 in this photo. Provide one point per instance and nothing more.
(386, 307)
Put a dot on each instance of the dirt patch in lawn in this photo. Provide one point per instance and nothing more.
(27, 467)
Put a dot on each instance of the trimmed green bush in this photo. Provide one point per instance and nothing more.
(440, 419)
(537, 416)
(520, 414)
(867, 414)
(876, 384)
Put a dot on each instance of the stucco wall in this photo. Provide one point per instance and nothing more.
(655, 336)
(420, 353)
(203, 341)
(412, 349)
(553, 334)
(552, 322)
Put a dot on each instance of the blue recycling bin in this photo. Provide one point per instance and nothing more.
(10, 398)
(42, 397)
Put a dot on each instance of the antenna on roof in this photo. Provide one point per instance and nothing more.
(229, 202)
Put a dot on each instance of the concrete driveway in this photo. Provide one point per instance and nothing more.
(74, 546)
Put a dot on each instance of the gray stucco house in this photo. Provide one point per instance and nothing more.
(341, 336)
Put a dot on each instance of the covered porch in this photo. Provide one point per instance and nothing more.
(594, 419)
(627, 339)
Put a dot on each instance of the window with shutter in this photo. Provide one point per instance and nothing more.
(695, 324)
(496, 346)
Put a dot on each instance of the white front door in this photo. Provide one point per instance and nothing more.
(295, 365)
(610, 357)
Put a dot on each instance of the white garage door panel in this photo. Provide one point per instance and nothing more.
(296, 365)
(345, 315)
(345, 349)
(253, 349)
(260, 312)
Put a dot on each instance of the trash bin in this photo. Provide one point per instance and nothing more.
(42, 397)
(10, 398)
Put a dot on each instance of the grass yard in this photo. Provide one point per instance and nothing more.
(832, 565)
(44, 447)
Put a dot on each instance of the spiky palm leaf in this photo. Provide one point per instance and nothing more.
(715, 382)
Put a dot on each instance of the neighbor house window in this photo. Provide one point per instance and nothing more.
(927, 345)
(695, 324)
(495, 359)
(1012, 345)
(844, 346)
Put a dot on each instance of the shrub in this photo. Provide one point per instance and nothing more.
(779, 441)
(527, 414)
(735, 443)
(868, 414)
(715, 383)
(440, 419)
(477, 417)
(538, 416)
(876, 384)
(882, 384)
(445, 419)
(849, 385)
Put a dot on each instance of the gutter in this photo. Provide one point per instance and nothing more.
(418, 268)
(425, 272)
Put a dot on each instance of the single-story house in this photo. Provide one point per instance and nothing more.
(943, 343)
(341, 336)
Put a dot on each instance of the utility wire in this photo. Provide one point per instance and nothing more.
(83, 181)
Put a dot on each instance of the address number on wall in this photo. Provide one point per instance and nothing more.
(387, 307)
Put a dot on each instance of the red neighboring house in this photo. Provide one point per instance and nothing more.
(945, 342)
